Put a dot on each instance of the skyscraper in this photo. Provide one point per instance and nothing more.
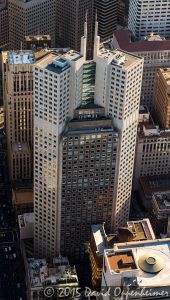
(28, 17)
(147, 16)
(4, 30)
(85, 123)
(70, 17)
(107, 12)
(18, 97)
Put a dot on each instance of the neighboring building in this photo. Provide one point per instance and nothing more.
(26, 226)
(152, 152)
(140, 269)
(144, 115)
(30, 18)
(107, 12)
(18, 100)
(67, 87)
(70, 17)
(37, 42)
(57, 278)
(4, 25)
(160, 212)
(161, 101)
(147, 16)
(22, 197)
(156, 53)
(134, 231)
(123, 10)
(152, 184)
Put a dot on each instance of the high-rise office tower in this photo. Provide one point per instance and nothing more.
(18, 100)
(4, 30)
(30, 18)
(161, 102)
(107, 12)
(85, 124)
(147, 16)
(70, 16)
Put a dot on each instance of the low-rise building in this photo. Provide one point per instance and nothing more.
(152, 184)
(160, 212)
(152, 152)
(134, 231)
(137, 270)
(37, 42)
(26, 226)
(51, 280)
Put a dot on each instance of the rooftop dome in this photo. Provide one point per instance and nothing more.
(151, 263)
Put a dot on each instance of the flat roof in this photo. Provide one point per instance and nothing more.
(154, 183)
(20, 147)
(159, 248)
(59, 272)
(22, 197)
(124, 39)
(121, 261)
(21, 57)
(27, 218)
(163, 200)
(119, 57)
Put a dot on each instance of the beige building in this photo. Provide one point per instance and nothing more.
(17, 69)
(30, 18)
(83, 171)
(161, 101)
(4, 30)
(134, 231)
(137, 270)
(152, 152)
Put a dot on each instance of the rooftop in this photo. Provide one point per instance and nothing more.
(27, 218)
(120, 261)
(29, 38)
(58, 66)
(59, 273)
(119, 57)
(148, 129)
(157, 253)
(163, 200)
(20, 147)
(125, 42)
(157, 183)
(21, 57)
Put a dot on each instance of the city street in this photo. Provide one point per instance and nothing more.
(12, 286)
